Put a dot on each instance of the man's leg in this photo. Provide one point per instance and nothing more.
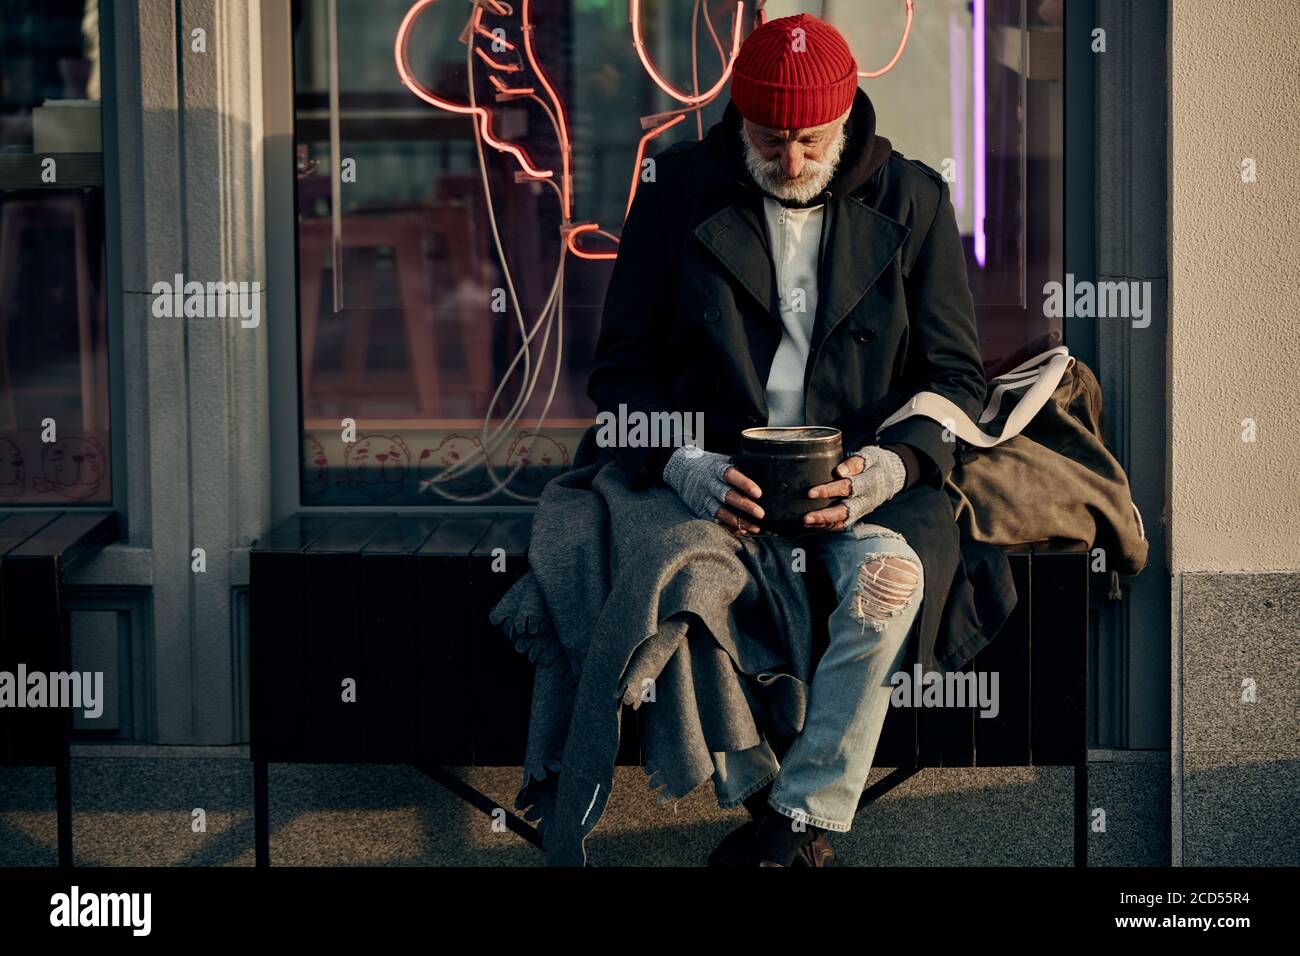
(741, 773)
(880, 582)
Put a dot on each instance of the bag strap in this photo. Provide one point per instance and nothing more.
(1051, 366)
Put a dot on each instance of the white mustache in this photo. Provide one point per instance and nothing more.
(812, 169)
(811, 180)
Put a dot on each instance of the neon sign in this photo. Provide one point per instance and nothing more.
(516, 60)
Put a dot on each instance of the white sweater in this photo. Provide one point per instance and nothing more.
(795, 237)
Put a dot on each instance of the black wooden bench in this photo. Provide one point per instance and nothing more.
(36, 548)
(399, 604)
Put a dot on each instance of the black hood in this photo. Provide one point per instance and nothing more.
(864, 152)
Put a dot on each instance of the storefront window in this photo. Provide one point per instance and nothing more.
(53, 346)
(425, 270)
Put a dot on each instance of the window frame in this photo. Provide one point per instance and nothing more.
(111, 279)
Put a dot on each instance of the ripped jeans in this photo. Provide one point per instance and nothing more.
(880, 582)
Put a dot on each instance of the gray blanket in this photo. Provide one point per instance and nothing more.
(630, 598)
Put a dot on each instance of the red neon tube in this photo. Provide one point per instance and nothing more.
(483, 119)
(634, 12)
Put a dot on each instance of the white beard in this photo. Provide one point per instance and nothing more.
(812, 179)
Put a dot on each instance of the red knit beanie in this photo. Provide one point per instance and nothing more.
(794, 73)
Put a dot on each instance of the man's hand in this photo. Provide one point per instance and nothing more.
(868, 478)
(713, 488)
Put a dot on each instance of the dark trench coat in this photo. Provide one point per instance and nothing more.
(691, 325)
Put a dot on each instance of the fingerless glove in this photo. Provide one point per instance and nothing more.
(697, 479)
(883, 477)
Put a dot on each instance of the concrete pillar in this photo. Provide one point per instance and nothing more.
(1234, 431)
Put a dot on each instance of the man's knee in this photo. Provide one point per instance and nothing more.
(886, 584)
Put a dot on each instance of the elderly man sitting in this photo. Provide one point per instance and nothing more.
(792, 269)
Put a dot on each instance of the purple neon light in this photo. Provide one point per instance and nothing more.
(977, 28)
(957, 110)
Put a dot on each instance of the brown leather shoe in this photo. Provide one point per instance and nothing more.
(734, 850)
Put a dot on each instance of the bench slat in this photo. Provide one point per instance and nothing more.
(501, 678)
(510, 532)
(337, 648)
(349, 534)
(278, 707)
(456, 537)
(391, 607)
(1059, 658)
(17, 528)
(1003, 741)
(402, 535)
(952, 730)
(444, 638)
(295, 533)
(70, 537)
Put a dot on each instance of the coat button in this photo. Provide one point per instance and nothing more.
(712, 314)
(862, 336)
(753, 419)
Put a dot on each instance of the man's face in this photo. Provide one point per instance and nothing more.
(793, 164)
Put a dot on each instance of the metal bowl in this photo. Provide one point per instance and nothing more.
(785, 461)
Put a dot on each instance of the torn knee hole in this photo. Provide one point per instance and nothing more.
(886, 583)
